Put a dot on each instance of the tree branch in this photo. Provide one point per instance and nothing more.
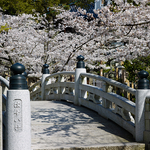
(136, 24)
(129, 31)
(8, 59)
(76, 49)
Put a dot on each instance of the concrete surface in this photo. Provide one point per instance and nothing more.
(62, 125)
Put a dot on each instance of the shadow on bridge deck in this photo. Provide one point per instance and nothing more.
(62, 125)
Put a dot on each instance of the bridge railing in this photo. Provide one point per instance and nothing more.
(60, 87)
(4, 84)
(104, 98)
(107, 103)
(100, 99)
(56, 86)
(35, 91)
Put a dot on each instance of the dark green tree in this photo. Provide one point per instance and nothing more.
(83, 3)
(136, 65)
(67, 2)
(15, 7)
(80, 3)
(44, 7)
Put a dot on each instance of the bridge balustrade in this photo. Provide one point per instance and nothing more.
(4, 85)
(104, 98)
(109, 104)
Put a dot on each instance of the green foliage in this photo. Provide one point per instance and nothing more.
(4, 28)
(66, 7)
(42, 6)
(79, 3)
(84, 3)
(136, 65)
(67, 2)
(148, 4)
(15, 7)
(128, 1)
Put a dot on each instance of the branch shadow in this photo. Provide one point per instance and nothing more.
(64, 119)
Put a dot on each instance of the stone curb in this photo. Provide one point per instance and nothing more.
(116, 146)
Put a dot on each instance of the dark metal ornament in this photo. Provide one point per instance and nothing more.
(45, 69)
(17, 80)
(80, 63)
(143, 83)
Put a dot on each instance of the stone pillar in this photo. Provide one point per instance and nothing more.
(120, 74)
(141, 94)
(45, 72)
(18, 113)
(79, 69)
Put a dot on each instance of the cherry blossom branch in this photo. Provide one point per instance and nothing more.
(137, 24)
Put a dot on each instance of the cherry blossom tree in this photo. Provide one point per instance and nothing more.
(114, 35)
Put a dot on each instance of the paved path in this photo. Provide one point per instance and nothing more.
(62, 125)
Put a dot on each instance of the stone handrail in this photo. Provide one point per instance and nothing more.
(4, 81)
(60, 88)
(60, 74)
(4, 85)
(110, 82)
(35, 91)
(108, 104)
(35, 86)
(53, 80)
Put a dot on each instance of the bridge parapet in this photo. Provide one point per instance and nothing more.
(109, 104)
(102, 98)
(4, 84)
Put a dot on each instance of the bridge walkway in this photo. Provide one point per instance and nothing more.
(62, 125)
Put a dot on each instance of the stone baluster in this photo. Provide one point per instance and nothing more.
(18, 113)
(83, 93)
(60, 89)
(147, 122)
(141, 94)
(105, 102)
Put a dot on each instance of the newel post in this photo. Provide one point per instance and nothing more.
(45, 72)
(141, 94)
(18, 113)
(80, 68)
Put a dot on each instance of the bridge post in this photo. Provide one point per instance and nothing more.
(18, 113)
(141, 94)
(79, 69)
(45, 72)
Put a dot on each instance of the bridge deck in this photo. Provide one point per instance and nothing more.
(59, 124)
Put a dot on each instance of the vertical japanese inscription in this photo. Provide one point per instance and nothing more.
(18, 115)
